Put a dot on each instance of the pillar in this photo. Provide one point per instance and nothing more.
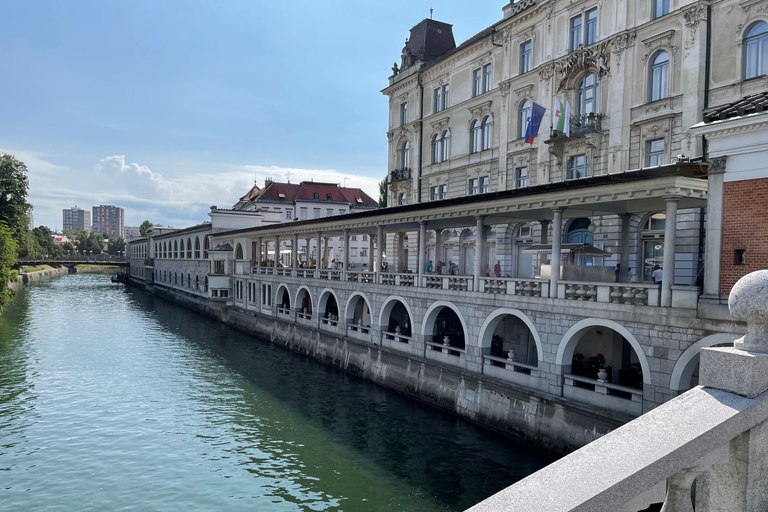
(261, 251)
(438, 246)
(317, 255)
(479, 246)
(294, 252)
(670, 235)
(544, 231)
(422, 259)
(624, 248)
(712, 250)
(380, 245)
(325, 251)
(345, 250)
(557, 239)
(277, 254)
(371, 259)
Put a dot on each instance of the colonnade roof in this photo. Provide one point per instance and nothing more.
(638, 191)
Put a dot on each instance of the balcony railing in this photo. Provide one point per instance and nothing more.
(580, 126)
(400, 175)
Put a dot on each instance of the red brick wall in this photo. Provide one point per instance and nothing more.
(745, 226)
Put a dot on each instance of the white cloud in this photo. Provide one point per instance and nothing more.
(182, 200)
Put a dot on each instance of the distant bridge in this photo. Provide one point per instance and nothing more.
(71, 261)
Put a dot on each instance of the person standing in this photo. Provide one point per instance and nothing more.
(497, 269)
(657, 275)
(428, 267)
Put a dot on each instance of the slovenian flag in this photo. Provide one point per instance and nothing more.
(537, 113)
(561, 117)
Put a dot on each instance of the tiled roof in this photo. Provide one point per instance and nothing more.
(359, 199)
(309, 189)
(277, 192)
(306, 190)
(251, 193)
(752, 104)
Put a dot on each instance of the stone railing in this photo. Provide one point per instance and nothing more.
(304, 315)
(580, 291)
(305, 273)
(265, 270)
(398, 279)
(460, 283)
(445, 349)
(715, 435)
(324, 274)
(360, 277)
(603, 394)
(283, 311)
(633, 294)
(494, 285)
(397, 337)
(282, 271)
(528, 287)
(358, 327)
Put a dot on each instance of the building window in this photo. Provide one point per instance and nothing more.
(401, 199)
(444, 145)
(218, 267)
(365, 238)
(587, 92)
(484, 184)
(404, 155)
(591, 35)
(477, 82)
(288, 215)
(659, 77)
(654, 153)
(441, 98)
(446, 97)
(475, 137)
(660, 8)
(436, 147)
(316, 212)
(472, 187)
(487, 132)
(523, 117)
(328, 212)
(525, 57)
(433, 194)
(740, 257)
(577, 167)
(303, 214)
(342, 211)
(575, 33)
(756, 51)
(443, 191)
(486, 78)
(521, 177)
(652, 238)
(403, 114)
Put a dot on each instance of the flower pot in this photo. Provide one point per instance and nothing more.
(602, 375)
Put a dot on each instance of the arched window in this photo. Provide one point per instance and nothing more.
(487, 132)
(405, 155)
(587, 91)
(181, 250)
(435, 148)
(652, 238)
(756, 50)
(659, 77)
(189, 248)
(523, 117)
(316, 196)
(444, 148)
(165, 250)
(475, 137)
(197, 248)
(239, 252)
(175, 249)
(206, 245)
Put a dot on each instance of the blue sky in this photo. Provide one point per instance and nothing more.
(167, 107)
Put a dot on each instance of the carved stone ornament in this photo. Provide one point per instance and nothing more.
(693, 17)
(481, 110)
(440, 125)
(591, 58)
(504, 87)
(716, 165)
(621, 43)
(546, 72)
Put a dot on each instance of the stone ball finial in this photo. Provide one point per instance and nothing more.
(749, 302)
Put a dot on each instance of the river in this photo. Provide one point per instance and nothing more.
(112, 399)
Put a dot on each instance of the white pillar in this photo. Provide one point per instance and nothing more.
(317, 254)
(345, 251)
(712, 251)
(479, 246)
(294, 252)
(371, 259)
(557, 238)
(624, 248)
(670, 235)
(438, 246)
(260, 251)
(422, 259)
(380, 246)
(325, 251)
(277, 254)
(544, 231)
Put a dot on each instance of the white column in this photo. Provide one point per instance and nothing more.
(294, 252)
(277, 254)
(317, 254)
(345, 251)
(371, 259)
(422, 259)
(260, 251)
(557, 238)
(624, 248)
(544, 231)
(479, 246)
(325, 251)
(712, 251)
(438, 246)
(670, 235)
(380, 247)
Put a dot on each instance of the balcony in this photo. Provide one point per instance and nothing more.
(400, 175)
(581, 126)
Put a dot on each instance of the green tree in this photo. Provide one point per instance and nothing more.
(383, 192)
(144, 227)
(68, 248)
(14, 184)
(115, 246)
(44, 237)
(8, 249)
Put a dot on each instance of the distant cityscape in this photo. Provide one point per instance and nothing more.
(106, 219)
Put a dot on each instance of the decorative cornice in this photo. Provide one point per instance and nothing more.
(440, 124)
(481, 109)
(668, 35)
(716, 165)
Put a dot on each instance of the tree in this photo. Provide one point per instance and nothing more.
(68, 248)
(44, 237)
(14, 184)
(115, 246)
(383, 185)
(144, 227)
(8, 251)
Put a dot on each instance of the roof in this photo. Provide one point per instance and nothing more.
(251, 193)
(359, 199)
(752, 104)
(177, 232)
(276, 192)
(221, 248)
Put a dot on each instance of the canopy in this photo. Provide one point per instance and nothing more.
(585, 250)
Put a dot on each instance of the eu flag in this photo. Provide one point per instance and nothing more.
(537, 113)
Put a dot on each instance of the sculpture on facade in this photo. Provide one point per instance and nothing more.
(593, 58)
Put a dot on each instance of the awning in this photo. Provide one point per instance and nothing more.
(584, 250)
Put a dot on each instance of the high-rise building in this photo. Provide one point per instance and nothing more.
(76, 218)
(108, 220)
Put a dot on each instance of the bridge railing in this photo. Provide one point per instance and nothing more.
(715, 435)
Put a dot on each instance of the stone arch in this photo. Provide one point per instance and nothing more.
(323, 304)
(686, 363)
(239, 252)
(572, 337)
(282, 296)
(197, 247)
(175, 248)
(181, 249)
(386, 311)
(493, 320)
(353, 307)
(428, 324)
(189, 248)
(303, 299)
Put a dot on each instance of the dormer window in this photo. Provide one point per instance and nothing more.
(281, 196)
(327, 197)
(316, 195)
(359, 200)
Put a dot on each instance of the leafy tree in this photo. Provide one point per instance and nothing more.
(8, 249)
(115, 246)
(383, 192)
(68, 248)
(69, 232)
(14, 184)
(144, 227)
(44, 237)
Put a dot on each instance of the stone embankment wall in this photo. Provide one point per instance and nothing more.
(546, 421)
(93, 270)
(41, 275)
